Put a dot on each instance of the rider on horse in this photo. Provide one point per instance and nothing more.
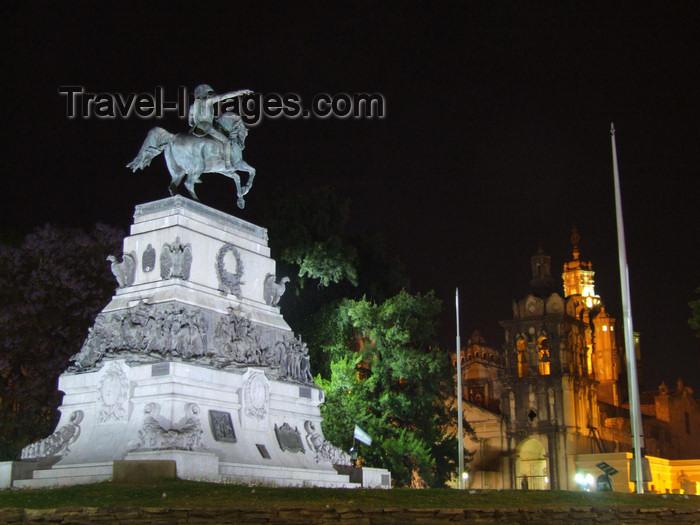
(213, 145)
(201, 116)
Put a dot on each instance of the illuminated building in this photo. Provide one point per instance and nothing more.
(562, 405)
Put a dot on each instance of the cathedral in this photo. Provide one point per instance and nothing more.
(552, 405)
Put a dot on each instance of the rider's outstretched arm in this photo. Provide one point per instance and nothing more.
(233, 94)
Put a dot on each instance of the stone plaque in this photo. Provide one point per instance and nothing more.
(263, 451)
(221, 426)
(305, 391)
(160, 369)
(289, 438)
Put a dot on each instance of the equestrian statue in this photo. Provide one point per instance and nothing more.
(213, 145)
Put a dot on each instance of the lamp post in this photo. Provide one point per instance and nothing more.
(460, 448)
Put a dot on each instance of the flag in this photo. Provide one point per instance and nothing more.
(362, 436)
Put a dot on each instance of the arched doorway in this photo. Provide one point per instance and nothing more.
(531, 466)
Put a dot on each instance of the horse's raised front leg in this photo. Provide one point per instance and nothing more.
(244, 166)
(237, 179)
(231, 174)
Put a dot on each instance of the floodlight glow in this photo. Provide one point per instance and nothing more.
(584, 481)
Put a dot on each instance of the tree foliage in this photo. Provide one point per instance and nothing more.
(311, 241)
(51, 288)
(388, 377)
(308, 231)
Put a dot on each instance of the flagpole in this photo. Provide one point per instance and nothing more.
(635, 410)
(460, 448)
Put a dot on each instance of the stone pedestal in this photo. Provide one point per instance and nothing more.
(190, 361)
(371, 478)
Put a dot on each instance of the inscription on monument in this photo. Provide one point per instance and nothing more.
(305, 391)
(160, 369)
(222, 426)
(263, 451)
(289, 438)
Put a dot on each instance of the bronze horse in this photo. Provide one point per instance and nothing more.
(189, 155)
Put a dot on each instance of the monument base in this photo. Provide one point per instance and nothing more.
(191, 361)
(216, 425)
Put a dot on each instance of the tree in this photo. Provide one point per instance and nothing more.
(311, 242)
(51, 288)
(388, 377)
(308, 232)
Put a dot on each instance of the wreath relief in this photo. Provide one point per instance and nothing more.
(229, 270)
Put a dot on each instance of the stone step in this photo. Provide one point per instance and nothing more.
(67, 475)
(83, 469)
(284, 476)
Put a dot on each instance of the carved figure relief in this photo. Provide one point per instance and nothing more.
(57, 443)
(273, 291)
(229, 270)
(176, 260)
(221, 426)
(294, 360)
(153, 436)
(324, 451)
(177, 332)
(289, 439)
(112, 395)
(239, 339)
(148, 259)
(125, 270)
(256, 394)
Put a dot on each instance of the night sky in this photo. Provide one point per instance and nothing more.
(496, 139)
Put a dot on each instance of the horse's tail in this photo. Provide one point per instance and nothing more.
(156, 141)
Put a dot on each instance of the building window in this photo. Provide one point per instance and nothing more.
(522, 358)
(476, 395)
(543, 348)
(687, 423)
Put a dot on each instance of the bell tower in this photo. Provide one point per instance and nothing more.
(578, 275)
(602, 358)
(542, 283)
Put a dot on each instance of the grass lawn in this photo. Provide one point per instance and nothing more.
(190, 494)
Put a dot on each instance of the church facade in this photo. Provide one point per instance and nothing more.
(554, 398)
